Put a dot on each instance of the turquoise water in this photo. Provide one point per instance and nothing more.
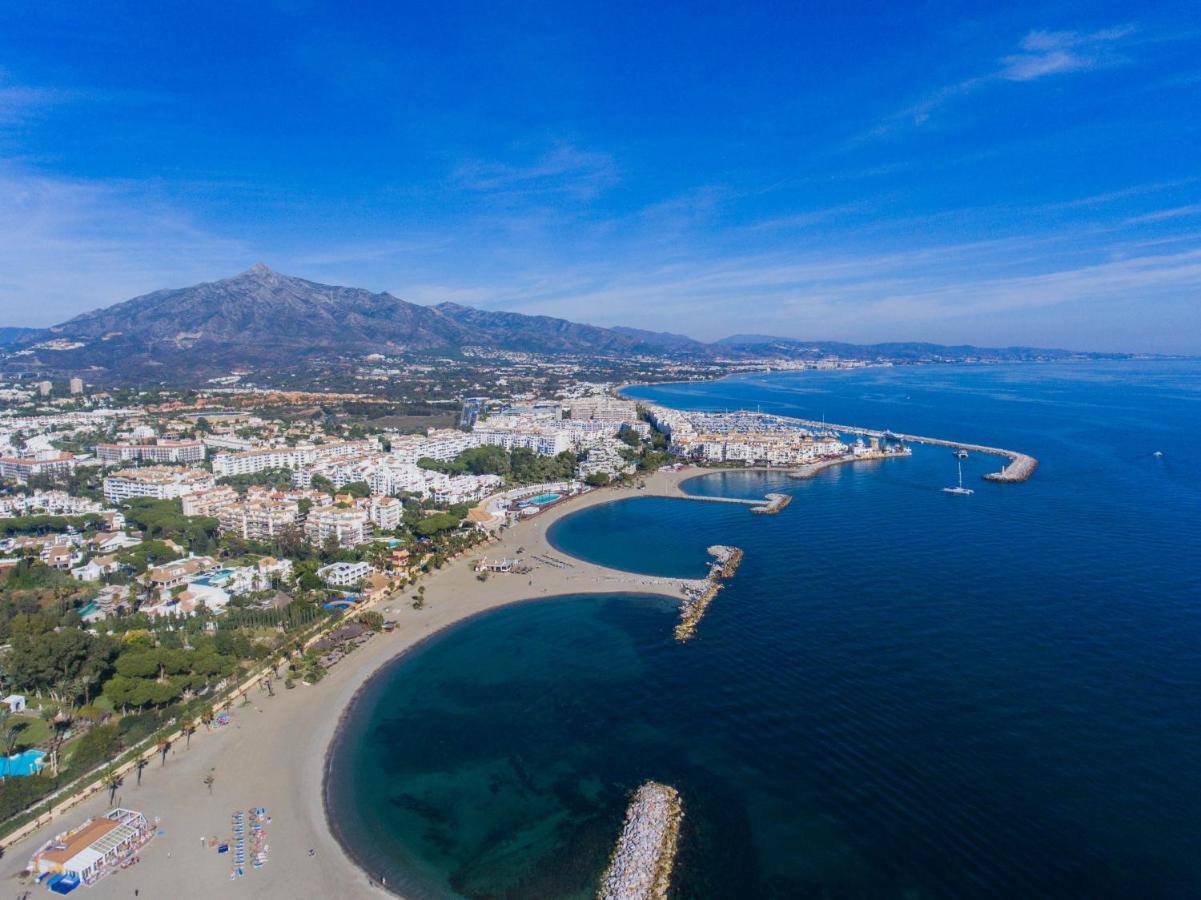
(215, 579)
(901, 694)
(544, 499)
(21, 764)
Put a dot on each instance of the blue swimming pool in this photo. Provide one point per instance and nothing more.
(215, 578)
(22, 764)
(545, 499)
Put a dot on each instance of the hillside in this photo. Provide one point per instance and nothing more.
(262, 320)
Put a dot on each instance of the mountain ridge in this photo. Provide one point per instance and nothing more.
(261, 319)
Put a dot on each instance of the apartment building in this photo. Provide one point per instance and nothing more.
(251, 461)
(159, 452)
(46, 463)
(158, 482)
(209, 502)
(347, 527)
(259, 520)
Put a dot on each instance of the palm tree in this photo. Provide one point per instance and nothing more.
(188, 726)
(164, 746)
(142, 763)
(112, 780)
(209, 779)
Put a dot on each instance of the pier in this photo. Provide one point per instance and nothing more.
(726, 563)
(775, 503)
(1019, 468)
(641, 863)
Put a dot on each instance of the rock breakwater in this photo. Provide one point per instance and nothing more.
(726, 561)
(641, 863)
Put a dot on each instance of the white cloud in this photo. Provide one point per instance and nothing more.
(1040, 54)
(564, 170)
(1046, 53)
(67, 246)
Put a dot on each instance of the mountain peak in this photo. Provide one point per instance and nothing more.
(259, 269)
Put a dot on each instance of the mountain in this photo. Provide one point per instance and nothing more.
(762, 345)
(9, 336)
(244, 320)
(665, 341)
(535, 334)
(261, 320)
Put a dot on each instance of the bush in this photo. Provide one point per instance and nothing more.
(97, 746)
(17, 794)
(137, 727)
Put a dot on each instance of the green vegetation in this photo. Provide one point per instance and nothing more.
(269, 478)
(46, 524)
(165, 519)
(521, 466)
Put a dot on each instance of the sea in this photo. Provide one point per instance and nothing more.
(902, 693)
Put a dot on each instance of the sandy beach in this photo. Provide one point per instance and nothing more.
(274, 751)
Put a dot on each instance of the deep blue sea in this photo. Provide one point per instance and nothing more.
(902, 693)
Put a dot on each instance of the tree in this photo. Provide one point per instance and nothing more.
(209, 779)
(141, 764)
(597, 479)
(56, 658)
(112, 780)
(188, 726)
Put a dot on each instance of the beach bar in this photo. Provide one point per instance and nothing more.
(96, 848)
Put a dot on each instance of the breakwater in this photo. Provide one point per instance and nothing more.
(641, 863)
(696, 601)
(775, 503)
(1019, 468)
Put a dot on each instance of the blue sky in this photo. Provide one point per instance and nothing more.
(989, 173)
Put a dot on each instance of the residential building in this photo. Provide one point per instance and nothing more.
(159, 452)
(346, 527)
(50, 463)
(259, 520)
(344, 574)
(210, 501)
(158, 482)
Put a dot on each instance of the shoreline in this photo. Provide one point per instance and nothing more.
(276, 747)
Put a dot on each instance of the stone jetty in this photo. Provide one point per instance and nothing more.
(641, 863)
(726, 561)
(1020, 468)
(775, 503)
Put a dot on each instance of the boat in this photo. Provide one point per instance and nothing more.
(961, 453)
(1157, 453)
(960, 489)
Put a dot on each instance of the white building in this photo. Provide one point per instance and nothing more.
(158, 482)
(344, 574)
(347, 527)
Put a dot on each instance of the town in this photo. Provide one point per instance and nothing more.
(156, 545)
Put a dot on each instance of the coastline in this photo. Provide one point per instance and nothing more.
(278, 748)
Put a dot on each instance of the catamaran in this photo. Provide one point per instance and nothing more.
(961, 490)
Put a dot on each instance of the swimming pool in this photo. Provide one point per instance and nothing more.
(22, 764)
(545, 499)
(214, 579)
